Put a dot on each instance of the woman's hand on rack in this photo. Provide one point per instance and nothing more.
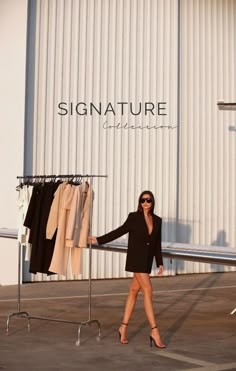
(92, 240)
(160, 270)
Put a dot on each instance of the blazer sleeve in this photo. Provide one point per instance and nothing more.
(116, 233)
(158, 253)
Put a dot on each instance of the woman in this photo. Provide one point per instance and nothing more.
(144, 228)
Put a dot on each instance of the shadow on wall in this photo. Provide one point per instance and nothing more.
(26, 275)
(176, 232)
(220, 241)
(232, 128)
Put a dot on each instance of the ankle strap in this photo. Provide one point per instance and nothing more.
(154, 327)
(126, 324)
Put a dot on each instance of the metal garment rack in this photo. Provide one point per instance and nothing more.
(24, 314)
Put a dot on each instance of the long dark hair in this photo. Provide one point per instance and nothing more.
(150, 194)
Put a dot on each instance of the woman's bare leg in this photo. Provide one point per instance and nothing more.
(129, 307)
(146, 286)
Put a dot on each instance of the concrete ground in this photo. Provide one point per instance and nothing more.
(192, 311)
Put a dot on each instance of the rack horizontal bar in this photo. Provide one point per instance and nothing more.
(61, 176)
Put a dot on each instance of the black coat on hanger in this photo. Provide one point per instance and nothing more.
(142, 247)
(36, 219)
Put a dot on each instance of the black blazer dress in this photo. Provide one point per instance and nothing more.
(142, 247)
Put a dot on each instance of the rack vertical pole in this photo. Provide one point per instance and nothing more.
(90, 250)
(19, 277)
(18, 313)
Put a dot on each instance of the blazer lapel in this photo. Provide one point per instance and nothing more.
(144, 224)
(155, 224)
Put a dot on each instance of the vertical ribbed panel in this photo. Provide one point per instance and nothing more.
(127, 51)
(207, 139)
(109, 51)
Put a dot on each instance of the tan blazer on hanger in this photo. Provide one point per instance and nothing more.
(78, 224)
(74, 219)
(85, 218)
(55, 212)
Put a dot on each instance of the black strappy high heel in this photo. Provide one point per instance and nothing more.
(122, 342)
(153, 340)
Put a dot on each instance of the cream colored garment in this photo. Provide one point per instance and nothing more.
(23, 201)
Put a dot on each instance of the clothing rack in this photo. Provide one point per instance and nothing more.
(24, 314)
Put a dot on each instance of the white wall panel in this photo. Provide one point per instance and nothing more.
(207, 140)
(108, 51)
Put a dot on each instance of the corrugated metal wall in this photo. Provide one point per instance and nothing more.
(207, 134)
(128, 51)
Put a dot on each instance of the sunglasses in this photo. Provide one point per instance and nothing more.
(148, 200)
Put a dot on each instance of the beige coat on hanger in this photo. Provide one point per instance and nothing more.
(69, 213)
